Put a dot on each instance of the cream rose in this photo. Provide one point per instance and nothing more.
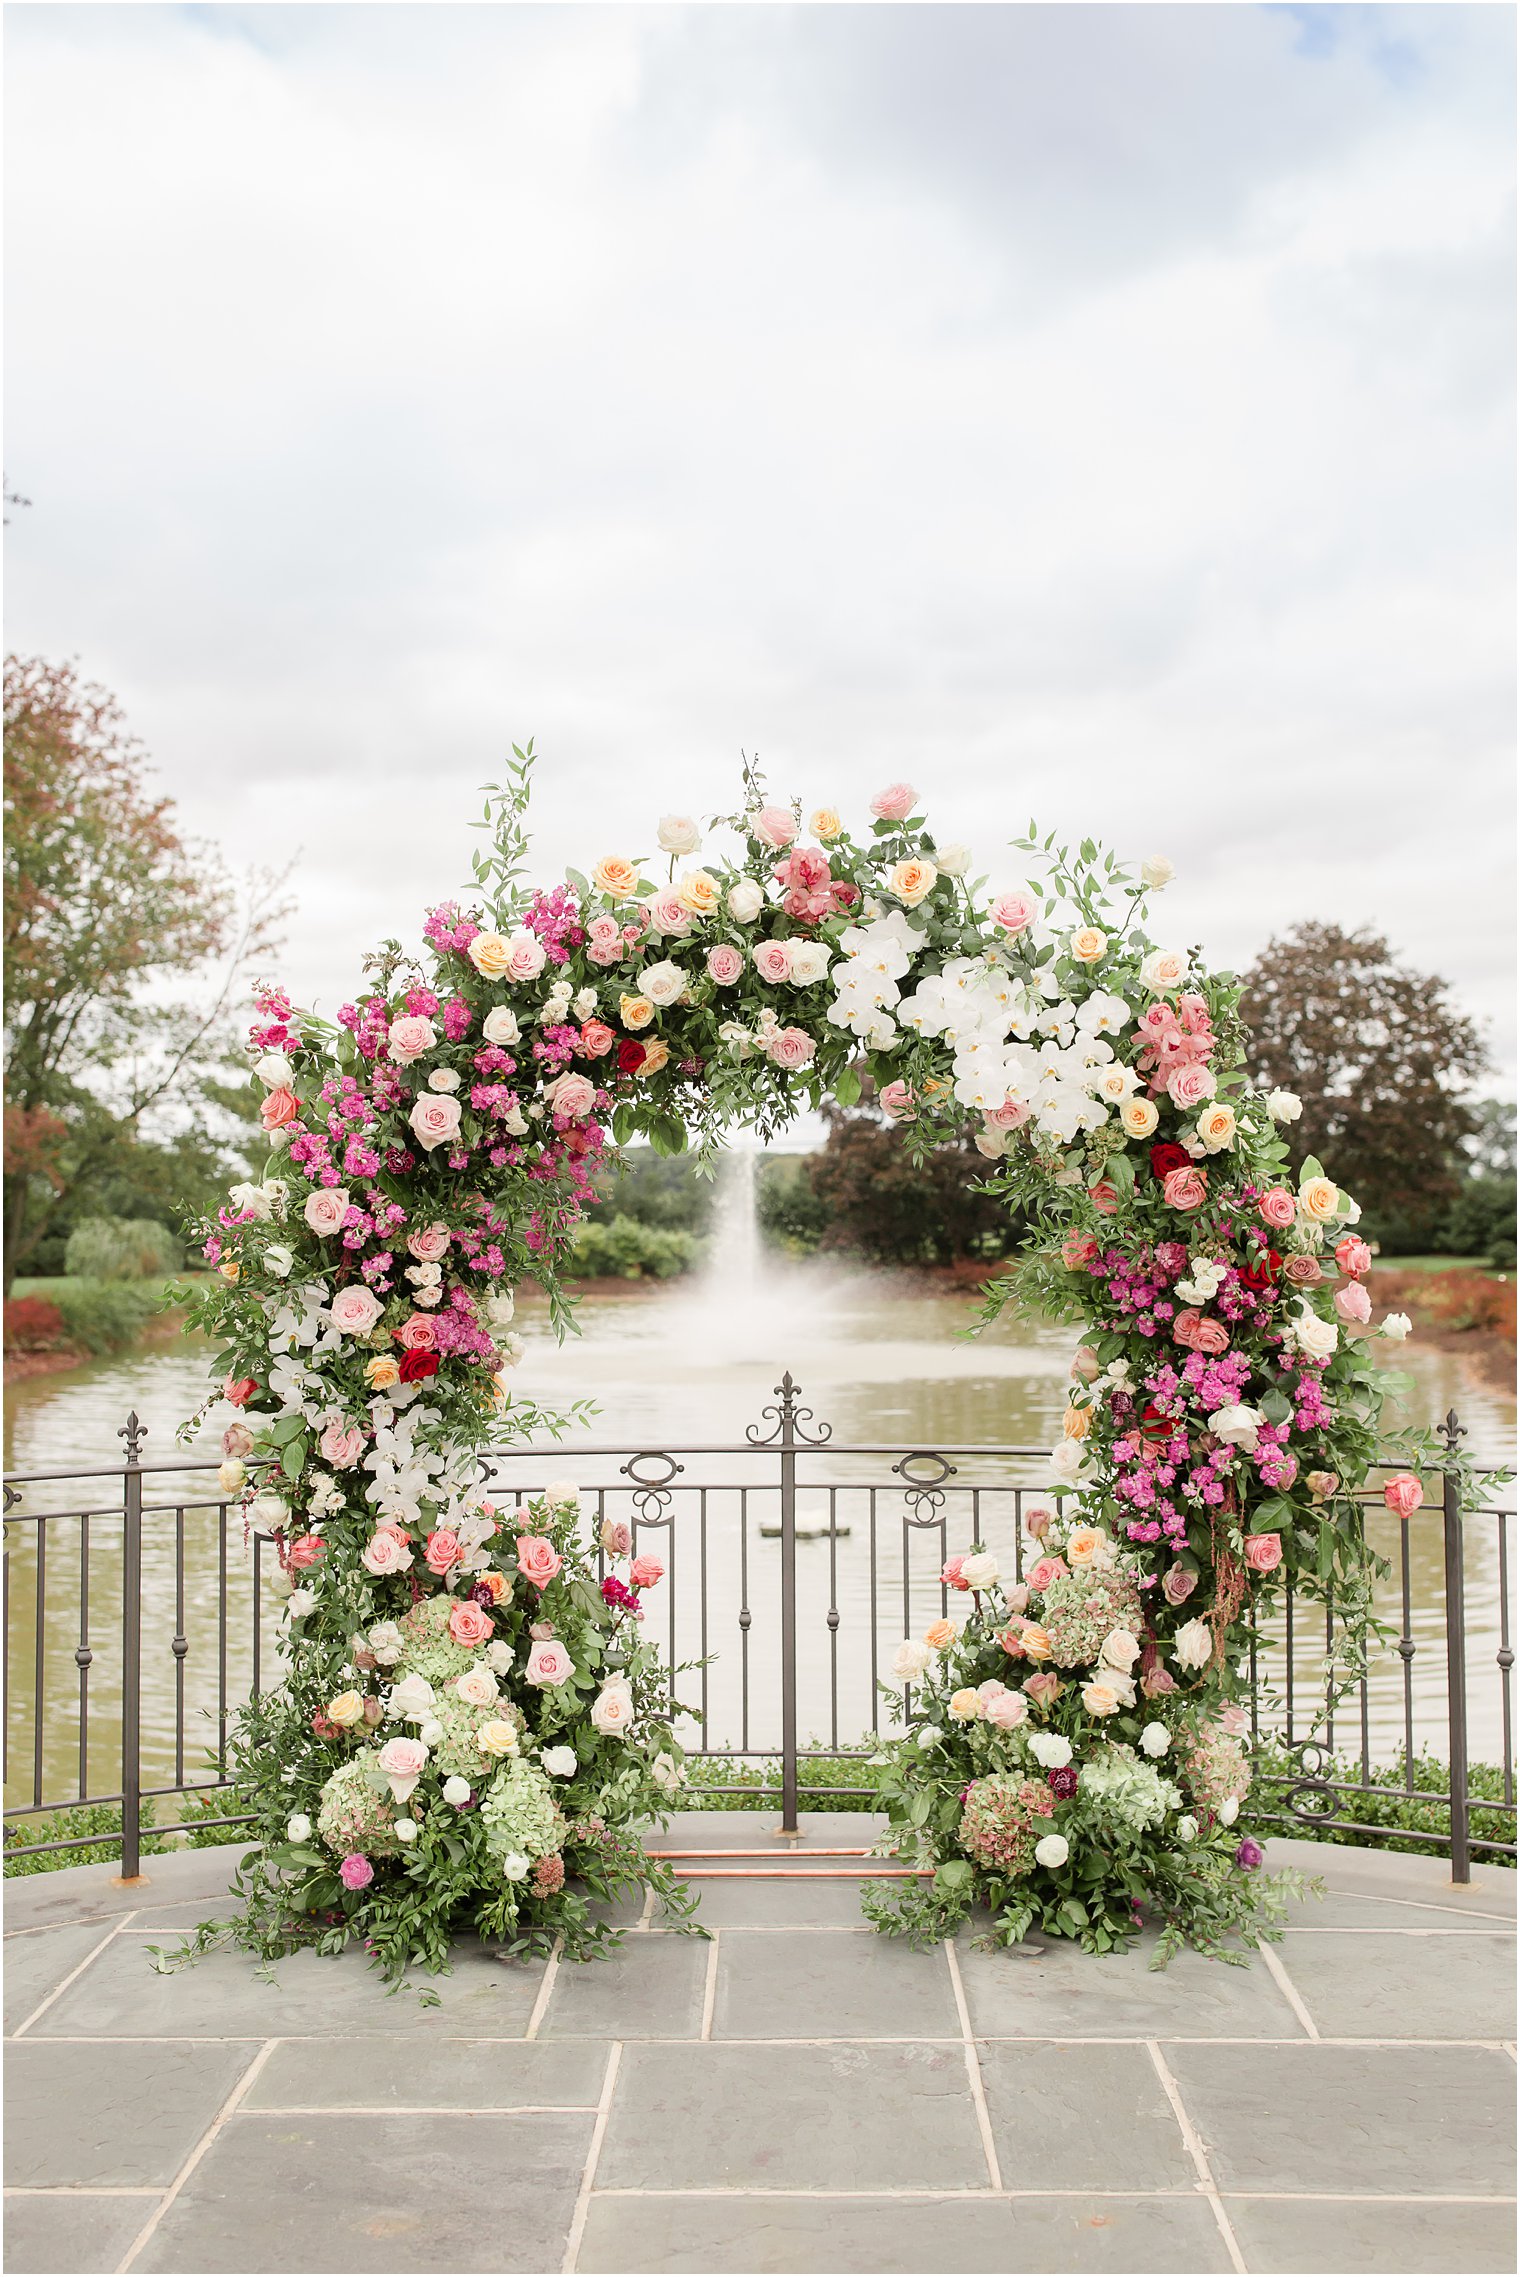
(1163, 970)
(615, 876)
(497, 1738)
(910, 881)
(662, 983)
(677, 834)
(612, 1710)
(1318, 1199)
(1193, 1645)
(699, 894)
(501, 1028)
(745, 901)
(1088, 944)
(825, 824)
(1216, 1128)
(477, 1688)
(1139, 1117)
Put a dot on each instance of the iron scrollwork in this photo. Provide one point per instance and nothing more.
(924, 1490)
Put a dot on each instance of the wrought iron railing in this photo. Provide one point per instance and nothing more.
(140, 1612)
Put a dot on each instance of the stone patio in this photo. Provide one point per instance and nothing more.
(798, 2094)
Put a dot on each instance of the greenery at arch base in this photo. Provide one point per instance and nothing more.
(473, 1726)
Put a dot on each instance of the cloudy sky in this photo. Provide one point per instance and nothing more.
(1101, 413)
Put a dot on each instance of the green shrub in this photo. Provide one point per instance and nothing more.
(104, 1317)
(791, 1215)
(74, 1820)
(121, 1249)
(1481, 1221)
(624, 1249)
(1387, 1805)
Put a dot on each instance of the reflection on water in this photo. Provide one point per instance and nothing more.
(691, 1366)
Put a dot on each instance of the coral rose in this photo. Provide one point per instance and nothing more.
(470, 1624)
(538, 1561)
(1186, 1189)
(1353, 1256)
(1277, 1207)
(1263, 1552)
(1404, 1495)
(444, 1549)
(644, 1573)
(280, 1106)
(419, 1334)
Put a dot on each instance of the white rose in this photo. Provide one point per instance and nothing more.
(456, 1791)
(1164, 970)
(410, 1699)
(1121, 1649)
(954, 861)
(268, 1510)
(1068, 1463)
(745, 901)
(930, 1735)
(981, 1571)
(1187, 1827)
(612, 1709)
(405, 1830)
(444, 1079)
(431, 1732)
(478, 1688)
(386, 1643)
(501, 1028)
(1053, 1850)
(666, 1772)
(1237, 1426)
(678, 834)
(231, 1475)
(1051, 1749)
(910, 1660)
(1229, 1810)
(1157, 872)
(275, 1070)
(1193, 1644)
(1396, 1326)
(1284, 1106)
(1315, 1338)
(559, 1762)
(252, 1201)
(810, 962)
(298, 1829)
(500, 1655)
(1155, 1739)
(662, 983)
(562, 1494)
(303, 1602)
(499, 1308)
(279, 1259)
(515, 1866)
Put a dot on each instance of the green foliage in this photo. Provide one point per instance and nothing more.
(1481, 1220)
(74, 1820)
(669, 1192)
(1388, 1804)
(104, 1317)
(624, 1249)
(120, 1249)
(793, 1215)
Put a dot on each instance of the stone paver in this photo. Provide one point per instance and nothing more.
(1382, 1986)
(1384, 2120)
(826, 1984)
(829, 2121)
(455, 2192)
(848, 2117)
(1351, 2235)
(1105, 2108)
(82, 2112)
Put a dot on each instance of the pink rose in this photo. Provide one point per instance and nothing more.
(1186, 1189)
(1404, 1495)
(1190, 1086)
(1037, 1524)
(668, 915)
(895, 1101)
(470, 1624)
(1178, 1583)
(645, 1572)
(1013, 913)
(306, 1550)
(428, 1245)
(895, 803)
(356, 1309)
(356, 1872)
(1353, 1256)
(615, 1537)
(1044, 1571)
(444, 1549)
(1004, 1710)
(342, 1444)
(525, 957)
(1277, 1207)
(434, 1119)
(386, 1552)
(403, 1758)
(950, 1574)
(1352, 1302)
(724, 964)
(410, 1038)
(1233, 1721)
(237, 1439)
(1263, 1552)
(326, 1209)
(279, 1108)
(1009, 1117)
(791, 1048)
(604, 940)
(419, 1334)
(597, 1039)
(1104, 1197)
(1157, 1681)
(538, 1560)
(548, 1662)
(773, 961)
(774, 824)
(1044, 1687)
(572, 1096)
(1195, 1334)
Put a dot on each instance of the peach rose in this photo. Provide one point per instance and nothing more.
(1139, 1117)
(1078, 1251)
(1100, 1698)
(645, 1572)
(1186, 1189)
(940, 1634)
(470, 1624)
(656, 1055)
(1088, 944)
(635, 1011)
(381, 1373)
(490, 956)
(615, 876)
(498, 1737)
(538, 1560)
(1318, 1199)
(346, 1710)
(1076, 1422)
(895, 803)
(1264, 1552)
(325, 1210)
(911, 881)
(825, 824)
(1216, 1127)
(419, 1334)
(1036, 1641)
(776, 825)
(699, 894)
(280, 1106)
(435, 1119)
(355, 1309)
(428, 1245)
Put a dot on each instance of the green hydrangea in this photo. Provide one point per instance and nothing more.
(456, 1752)
(429, 1649)
(1078, 1610)
(520, 1814)
(1128, 1792)
(1216, 1768)
(352, 1816)
(1002, 1818)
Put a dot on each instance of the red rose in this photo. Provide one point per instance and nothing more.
(630, 1057)
(417, 1365)
(1263, 1270)
(1166, 1158)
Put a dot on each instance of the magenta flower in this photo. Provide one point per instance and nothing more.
(1249, 1856)
(356, 1872)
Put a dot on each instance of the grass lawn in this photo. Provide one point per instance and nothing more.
(1432, 1264)
(68, 1284)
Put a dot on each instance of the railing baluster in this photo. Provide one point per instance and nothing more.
(131, 1653)
(83, 1657)
(1456, 1652)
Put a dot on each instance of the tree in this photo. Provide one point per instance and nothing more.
(124, 949)
(879, 1203)
(1380, 1055)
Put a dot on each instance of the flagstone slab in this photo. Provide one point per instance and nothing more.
(1423, 2121)
(803, 2235)
(1052, 2235)
(1064, 1993)
(458, 2192)
(814, 1984)
(648, 1988)
(848, 2117)
(74, 2236)
(1100, 2112)
(124, 2111)
(120, 1995)
(1385, 1987)
(37, 1963)
(795, 1899)
(1364, 2238)
(434, 2074)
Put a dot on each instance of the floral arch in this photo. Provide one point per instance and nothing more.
(472, 1727)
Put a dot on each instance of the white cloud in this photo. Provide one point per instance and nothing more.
(1096, 412)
